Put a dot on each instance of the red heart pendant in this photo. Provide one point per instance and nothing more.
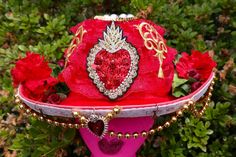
(110, 147)
(113, 63)
(96, 127)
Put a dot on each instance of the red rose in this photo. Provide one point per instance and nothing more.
(40, 86)
(32, 67)
(34, 74)
(195, 86)
(194, 74)
(197, 65)
(54, 99)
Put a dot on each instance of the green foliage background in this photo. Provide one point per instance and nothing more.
(43, 26)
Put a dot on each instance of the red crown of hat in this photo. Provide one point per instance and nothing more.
(121, 62)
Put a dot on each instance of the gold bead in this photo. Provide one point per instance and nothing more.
(159, 128)
(111, 133)
(27, 111)
(179, 113)
(21, 106)
(41, 118)
(211, 88)
(190, 103)
(167, 124)
(212, 82)
(63, 125)
(208, 99)
(209, 94)
(34, 114)
(127, 135)
(56, 123)
(82, 119)
(206, 104)
(17, 100)
(144, 134)
(109, 115)
(119, 135)
(151, 132)
(75, 114)
(173, 119)
(200, 114)
(76, 126)
(82, 125)
(116, 110)
(186, 107)
(49, 121)
(70, 125)
(135, 135)
(204, 108)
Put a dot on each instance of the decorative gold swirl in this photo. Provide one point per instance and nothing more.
(74, 42)
(153, 41)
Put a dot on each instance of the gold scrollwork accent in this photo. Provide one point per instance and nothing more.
(74, 42)
(153, 41)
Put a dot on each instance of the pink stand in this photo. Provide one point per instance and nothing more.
(113, 147)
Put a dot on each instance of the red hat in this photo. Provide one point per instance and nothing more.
(114, 61)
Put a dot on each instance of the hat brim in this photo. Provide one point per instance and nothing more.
(128, 110)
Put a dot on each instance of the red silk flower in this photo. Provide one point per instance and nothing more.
(34, 74)
(197, 65)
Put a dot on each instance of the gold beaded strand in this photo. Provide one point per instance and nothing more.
(190, 105)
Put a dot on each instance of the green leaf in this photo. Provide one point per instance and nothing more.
(22, 48)
(178, 93)
(178, 81)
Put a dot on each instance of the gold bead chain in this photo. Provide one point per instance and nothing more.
(190, 105)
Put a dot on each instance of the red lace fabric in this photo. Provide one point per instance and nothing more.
(146, 88)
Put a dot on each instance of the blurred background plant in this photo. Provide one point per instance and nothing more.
(43, 26)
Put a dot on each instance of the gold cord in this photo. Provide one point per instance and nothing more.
(76, 40)
(153, 41)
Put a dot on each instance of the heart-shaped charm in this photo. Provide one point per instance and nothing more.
(110, 147)
(113, 63)
(97, 125)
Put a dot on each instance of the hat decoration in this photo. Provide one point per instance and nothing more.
(153, 40)
(115, 67)
(121, 58)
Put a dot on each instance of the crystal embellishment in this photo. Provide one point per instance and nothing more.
(112, 43)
